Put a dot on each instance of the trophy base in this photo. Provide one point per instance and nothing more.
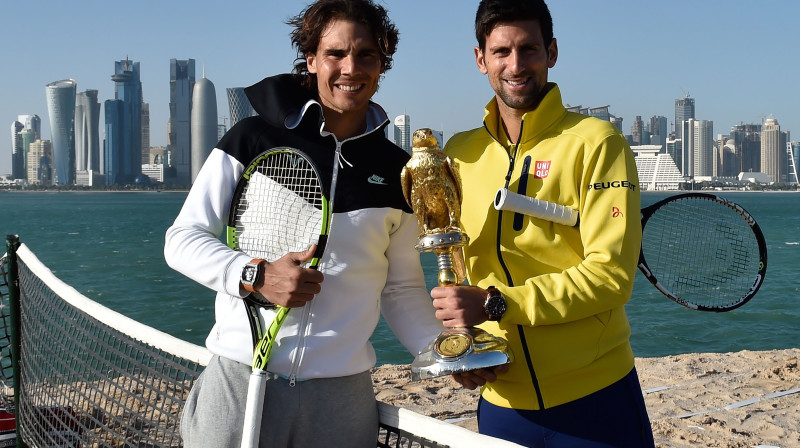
(458, 350)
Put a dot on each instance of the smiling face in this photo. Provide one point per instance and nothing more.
(516, 60)
(348, 66)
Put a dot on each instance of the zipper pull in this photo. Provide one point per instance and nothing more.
(292, 380)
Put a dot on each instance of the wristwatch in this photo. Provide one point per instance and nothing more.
(495, 304)
(251, 274)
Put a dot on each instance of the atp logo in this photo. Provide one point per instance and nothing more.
(616, 212)
(542, 169)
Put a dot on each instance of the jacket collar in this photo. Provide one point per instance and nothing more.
(534, 122)
(283, 102)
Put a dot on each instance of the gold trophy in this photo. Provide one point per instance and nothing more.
(432, 187)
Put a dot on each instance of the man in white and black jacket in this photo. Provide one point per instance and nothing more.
(319, 391)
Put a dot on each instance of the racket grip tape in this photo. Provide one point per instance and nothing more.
(506, 200)
(254, 409)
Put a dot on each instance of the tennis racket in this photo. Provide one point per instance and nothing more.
(700, 250)
(279, 206)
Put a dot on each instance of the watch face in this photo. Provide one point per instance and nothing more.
(496, 307)
(249, 274)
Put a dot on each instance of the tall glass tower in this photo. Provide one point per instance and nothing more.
(238, 104)
(179, 131)
(87, 132)
(113, 140)
(402, 132)
(24, 130)
(61, 109)
(123, 152)
(17, 162)
(684, 110)
(204, 123)
(32, 122)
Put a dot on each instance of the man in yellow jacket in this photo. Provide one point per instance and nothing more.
(555, 292)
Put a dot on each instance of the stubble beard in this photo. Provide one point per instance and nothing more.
(525, 102)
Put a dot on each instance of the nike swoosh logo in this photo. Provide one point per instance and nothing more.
(377, 180)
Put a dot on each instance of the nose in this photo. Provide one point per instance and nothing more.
(515, 61)
(349, 64)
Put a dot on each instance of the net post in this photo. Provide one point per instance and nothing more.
(12, 243)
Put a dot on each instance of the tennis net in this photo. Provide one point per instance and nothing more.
(77, 374)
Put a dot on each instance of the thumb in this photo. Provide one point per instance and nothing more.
(306, 255)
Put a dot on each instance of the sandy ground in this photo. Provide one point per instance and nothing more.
(744, 399)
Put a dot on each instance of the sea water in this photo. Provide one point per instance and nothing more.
(109, 247)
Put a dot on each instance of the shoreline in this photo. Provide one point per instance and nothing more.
(738, 399)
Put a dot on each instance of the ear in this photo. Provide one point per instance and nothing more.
(480, 60)
(552, 53)
(311, 62)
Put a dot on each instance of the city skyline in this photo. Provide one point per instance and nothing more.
(732, 58)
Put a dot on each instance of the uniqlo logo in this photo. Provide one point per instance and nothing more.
(542, 170)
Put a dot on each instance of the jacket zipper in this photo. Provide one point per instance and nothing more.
(520, 328)
(303, 329)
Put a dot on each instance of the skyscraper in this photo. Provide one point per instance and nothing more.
(17, 162)
(204, 123)
(32, 122)
(637, 131)
(28, 136)
(145, 133)
(703, 135)
(179, 132)
(112, 145)
(61, 110)
(87, 132)
(793, 151)
(40, 156)
(747, 143)
(238, 104)
(773, 151)
(685, 148)
(658, 130)
(684, 110)
(402, 132)
(125, 149)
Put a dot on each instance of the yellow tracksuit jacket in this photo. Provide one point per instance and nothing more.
(566, 287)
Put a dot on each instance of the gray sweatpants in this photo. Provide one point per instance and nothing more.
(326, 412)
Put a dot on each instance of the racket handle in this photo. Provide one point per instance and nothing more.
(254, 408)
(514, 202)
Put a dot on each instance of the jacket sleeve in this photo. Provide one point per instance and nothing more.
(405, 303)
(192, 244)
(602, 277)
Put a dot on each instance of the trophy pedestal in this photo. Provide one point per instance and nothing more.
(455, 350)
(458, 350)
(432, 187)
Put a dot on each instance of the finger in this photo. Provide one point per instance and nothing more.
(301, 257)
(503, 368)
(465, 380)
(482, 376)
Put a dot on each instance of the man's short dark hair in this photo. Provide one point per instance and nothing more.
(493, 12)
(310, 23)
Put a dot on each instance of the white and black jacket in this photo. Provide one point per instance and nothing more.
(370, 264)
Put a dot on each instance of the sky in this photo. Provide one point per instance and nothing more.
(738, 59)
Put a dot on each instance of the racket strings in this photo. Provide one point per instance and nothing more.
(281, 208)
(703, 252)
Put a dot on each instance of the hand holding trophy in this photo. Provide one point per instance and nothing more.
(432, 187)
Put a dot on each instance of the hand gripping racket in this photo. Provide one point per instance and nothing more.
(700, 250)
(279, 206)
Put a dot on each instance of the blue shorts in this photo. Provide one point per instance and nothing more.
(612, 417)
